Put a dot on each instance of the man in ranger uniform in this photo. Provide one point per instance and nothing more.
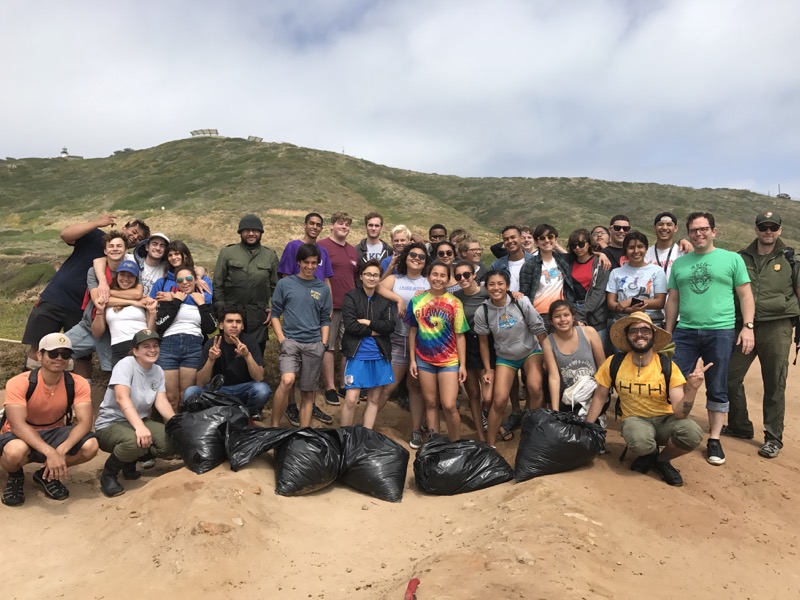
(246, 274)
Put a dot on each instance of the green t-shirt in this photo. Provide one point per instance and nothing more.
(706, 285)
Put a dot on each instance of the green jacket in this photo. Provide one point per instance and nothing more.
(246, 277)
(774, 285)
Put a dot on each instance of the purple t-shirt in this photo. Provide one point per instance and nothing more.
(289, 266)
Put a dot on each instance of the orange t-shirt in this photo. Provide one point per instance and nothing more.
(42, 407)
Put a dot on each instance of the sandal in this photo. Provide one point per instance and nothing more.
(505, 434)
(52, 487)
(514, 421)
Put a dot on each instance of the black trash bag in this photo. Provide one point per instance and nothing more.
(554, 442)
(307, 461)
(243, 444)
(446, 468)
(200, 436)
(372, 463)
(208, 399)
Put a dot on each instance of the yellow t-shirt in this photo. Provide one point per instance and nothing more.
(641, 393)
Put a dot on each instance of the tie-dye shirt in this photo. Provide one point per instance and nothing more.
(438, 319)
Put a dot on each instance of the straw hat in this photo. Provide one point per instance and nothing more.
(619, 336)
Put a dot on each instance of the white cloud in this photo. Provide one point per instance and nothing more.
(699, 93)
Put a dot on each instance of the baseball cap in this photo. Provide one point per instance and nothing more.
(144, 335)
(159, 235)
(665, 216)
(128, 266)
(53, 341)
(768, 217)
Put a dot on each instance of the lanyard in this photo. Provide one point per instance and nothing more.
(666, 261)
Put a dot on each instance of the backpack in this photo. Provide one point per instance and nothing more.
(33, 379)
(616, 361)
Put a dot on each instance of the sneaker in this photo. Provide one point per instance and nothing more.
(770, 449)
(293, 414)
(332, 398)
(485, 419)
(320, 416)
(668, 473)
(14, 492)
(341, 393)
(715, 455)
(737, 433)
(416, 440)
(362, 396)
(52, 487)
(644, 463)
(513, 421)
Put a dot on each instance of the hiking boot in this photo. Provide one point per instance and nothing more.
(770, 449)
(332, 398)
(737, 433)
(14, 492)
(714, 453)
(129, 471)
(416, 440)
(293, 414)
(668, 473)
(644, 463)
(52, 487)
(320, 416)
(108, 477)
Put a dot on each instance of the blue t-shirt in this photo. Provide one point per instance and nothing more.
(68, 286)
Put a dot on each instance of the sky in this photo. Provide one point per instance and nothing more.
(701, 93)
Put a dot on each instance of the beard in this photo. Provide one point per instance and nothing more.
(643, 349)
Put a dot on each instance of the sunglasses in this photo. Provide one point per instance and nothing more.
(546, 238)
(63, 353)
(444, 253)
(416, 255)
(772, 228)
(465, 276)
(187, 279)
(580, 244)
(624, 228)
(643, 331)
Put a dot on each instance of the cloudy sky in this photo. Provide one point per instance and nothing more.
(692, 92)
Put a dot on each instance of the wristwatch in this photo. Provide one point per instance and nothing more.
(749, 325)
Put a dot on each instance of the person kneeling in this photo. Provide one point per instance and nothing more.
(654, 398)
(123, 424)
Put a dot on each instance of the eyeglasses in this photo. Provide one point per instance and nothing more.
(772, 228)
(444, 253)
(701, 230)
(640, 331)
(416, 256)
(64, 353)
(546, 238)
(187, 279)
(580, 244)
(371, 275)
(625, 228)
(465, 276)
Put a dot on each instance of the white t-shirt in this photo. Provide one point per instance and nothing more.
(514, 267)
(149, 275)
(123, 325)
(663, 258)
(186, 321)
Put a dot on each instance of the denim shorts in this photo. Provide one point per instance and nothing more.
(180, 350)
(423, 365)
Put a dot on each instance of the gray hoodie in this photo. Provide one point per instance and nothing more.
(514, 327)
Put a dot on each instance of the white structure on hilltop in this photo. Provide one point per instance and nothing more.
(205, 133)
(66, 155)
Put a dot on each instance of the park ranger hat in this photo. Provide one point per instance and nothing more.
(768, 217)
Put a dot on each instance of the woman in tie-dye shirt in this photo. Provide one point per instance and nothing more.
(438, 350)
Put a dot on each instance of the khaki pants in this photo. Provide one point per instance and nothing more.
(119, 439)
(645, 434)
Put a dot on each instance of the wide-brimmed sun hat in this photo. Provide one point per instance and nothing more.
(619, 334)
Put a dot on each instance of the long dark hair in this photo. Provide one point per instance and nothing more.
(179, 246)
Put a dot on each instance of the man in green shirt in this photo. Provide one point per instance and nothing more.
(776, 290)
(702, 285)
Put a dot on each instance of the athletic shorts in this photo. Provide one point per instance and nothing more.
(47, 317)
(400, 357)
(516, 364)
(366, 374)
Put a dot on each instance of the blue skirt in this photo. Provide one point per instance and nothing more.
(366, 374)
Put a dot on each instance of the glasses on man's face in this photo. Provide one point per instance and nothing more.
(465, 276)
(64, 353)
(625, 228)
(187, 279)
(700, 230)
(639, 331)
(416, 256)
(444, 253)
(546, 238)
(371, 275)
(579, 244)
(772, 228)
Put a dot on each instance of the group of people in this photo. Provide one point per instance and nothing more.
(544, 324)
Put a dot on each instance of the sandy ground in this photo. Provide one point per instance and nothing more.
(599, 532)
